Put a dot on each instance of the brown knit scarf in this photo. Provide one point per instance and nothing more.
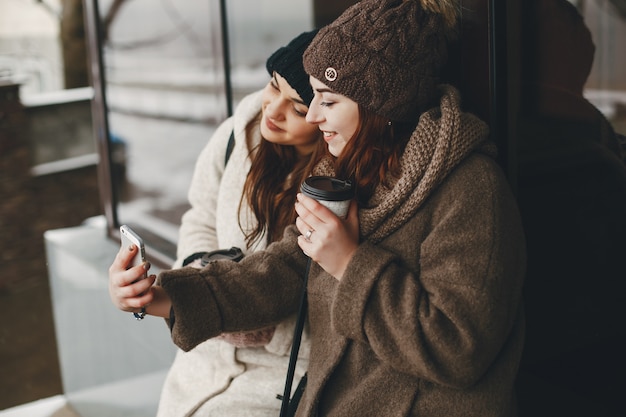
(443, 137)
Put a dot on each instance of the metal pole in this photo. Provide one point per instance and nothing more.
(502, 50)
(226, 55)
(99, 113)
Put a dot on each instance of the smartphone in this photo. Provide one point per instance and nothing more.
(130, 237)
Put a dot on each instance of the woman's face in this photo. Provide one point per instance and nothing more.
(335, 115)
(284, 114)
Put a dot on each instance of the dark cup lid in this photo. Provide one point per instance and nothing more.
(327, 188)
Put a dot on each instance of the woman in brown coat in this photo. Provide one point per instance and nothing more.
(415, 298)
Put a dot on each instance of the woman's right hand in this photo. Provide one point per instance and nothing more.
(331, 241)
(128, 290)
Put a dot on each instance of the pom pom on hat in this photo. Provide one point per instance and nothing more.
(385, 54)
(287, 61)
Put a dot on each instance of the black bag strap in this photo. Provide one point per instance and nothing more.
(295, 400)
(289, 405)
(230, 146)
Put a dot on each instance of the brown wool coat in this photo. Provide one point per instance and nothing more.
(427, 320)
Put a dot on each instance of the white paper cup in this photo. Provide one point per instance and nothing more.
(333, 193)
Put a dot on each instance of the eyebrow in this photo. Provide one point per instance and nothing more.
(294, 99)
(299, 101)
(325, 90)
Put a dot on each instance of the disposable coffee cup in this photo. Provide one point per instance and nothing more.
(334, 193)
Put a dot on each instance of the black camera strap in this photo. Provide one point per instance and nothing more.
(290, 404)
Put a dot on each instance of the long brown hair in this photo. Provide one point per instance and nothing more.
(372, 156)
(271, 185)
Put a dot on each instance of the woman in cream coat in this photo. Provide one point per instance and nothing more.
(236, 373)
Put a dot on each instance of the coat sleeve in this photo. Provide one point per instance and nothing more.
(197, 230)
(445, 312)
(261, 290)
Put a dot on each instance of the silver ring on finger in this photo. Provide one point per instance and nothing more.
(308, 234)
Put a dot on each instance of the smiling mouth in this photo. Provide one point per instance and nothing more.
(328, 135)
(271, 126)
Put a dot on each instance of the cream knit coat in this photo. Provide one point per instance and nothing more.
(215, 378)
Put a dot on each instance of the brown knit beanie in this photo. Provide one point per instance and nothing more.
(385, 54)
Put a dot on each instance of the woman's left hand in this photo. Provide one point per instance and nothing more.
(331, 241)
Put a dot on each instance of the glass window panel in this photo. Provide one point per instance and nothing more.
(166, 94)
(256, 30)
(606, 85)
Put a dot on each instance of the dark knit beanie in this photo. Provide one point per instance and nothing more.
(383, 54)
(287, 61)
